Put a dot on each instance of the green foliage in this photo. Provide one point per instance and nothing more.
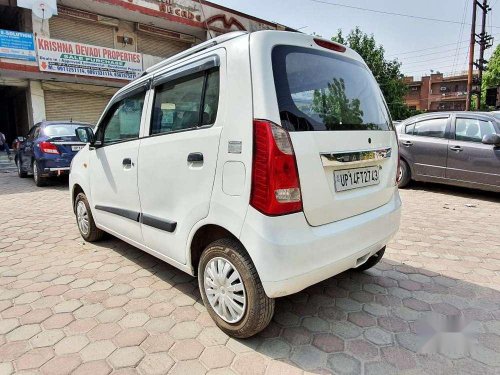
(491, 77)
(386, 72)
(334, 107)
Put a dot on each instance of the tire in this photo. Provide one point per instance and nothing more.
(89, 232)
(37, 175)
(20, 172)
(372, 261)
(405, 174)
(257, 309)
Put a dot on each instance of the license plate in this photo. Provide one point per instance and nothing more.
(349, 179)
(76, 148)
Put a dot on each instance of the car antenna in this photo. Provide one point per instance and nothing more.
(206, 22)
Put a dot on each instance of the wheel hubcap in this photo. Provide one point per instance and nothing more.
(225, 290)
(82, 217)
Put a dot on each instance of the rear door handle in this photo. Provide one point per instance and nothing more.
(127, 162)
(456, 148)
(407, 143)
(195, 157)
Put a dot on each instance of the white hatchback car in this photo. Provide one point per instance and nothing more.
(263, 163)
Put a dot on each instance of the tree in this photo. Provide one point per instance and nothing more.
(491, 77)
(387, 72)
(335, 108)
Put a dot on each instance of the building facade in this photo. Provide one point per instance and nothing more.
(437, 93)
(68, 67)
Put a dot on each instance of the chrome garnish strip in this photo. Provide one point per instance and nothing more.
(331, 159)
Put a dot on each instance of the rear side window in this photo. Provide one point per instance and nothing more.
(320, 91)
(431, 128)
(186, 103)
(472, 130)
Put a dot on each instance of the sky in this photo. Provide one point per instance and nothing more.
(410, 40)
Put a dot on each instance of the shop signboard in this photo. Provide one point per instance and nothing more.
(17, 45)
(57, 56)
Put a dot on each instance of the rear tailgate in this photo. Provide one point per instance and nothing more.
(363, 163)
(344, 142)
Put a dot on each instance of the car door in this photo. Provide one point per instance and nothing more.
(468, 158)
(425, 145)
(113, 166)
(26, 148)
(178, 155)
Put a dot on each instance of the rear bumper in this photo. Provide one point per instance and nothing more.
(54, 166)
(290, 255)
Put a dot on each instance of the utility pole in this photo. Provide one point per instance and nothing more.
(484, 41)
(471, 55)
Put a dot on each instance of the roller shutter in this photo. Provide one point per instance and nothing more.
(78, 105)
(157, 46)
(75, 30)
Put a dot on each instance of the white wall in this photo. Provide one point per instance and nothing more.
(36, 102)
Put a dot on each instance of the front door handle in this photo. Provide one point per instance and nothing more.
(456, 148)
(127, 162)
(195, 157)
(407, 143)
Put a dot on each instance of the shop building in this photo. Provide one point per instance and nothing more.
(67, 67)
(437, 92)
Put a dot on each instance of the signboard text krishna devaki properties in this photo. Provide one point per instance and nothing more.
(59, 56)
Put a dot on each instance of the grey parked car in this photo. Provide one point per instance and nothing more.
(456, 148)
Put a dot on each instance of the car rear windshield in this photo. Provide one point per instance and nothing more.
(320, 91)
(61, 130)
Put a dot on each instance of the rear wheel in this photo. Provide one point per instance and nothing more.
(20, 172)
(404, 174)
(232, 291)
(85, 220)
(37, 175)
(372, 261)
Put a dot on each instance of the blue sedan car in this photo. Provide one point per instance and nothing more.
(48, 149)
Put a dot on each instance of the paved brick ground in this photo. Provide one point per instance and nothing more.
(68, 306)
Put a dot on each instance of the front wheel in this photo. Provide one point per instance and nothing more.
(85, 220)
(20, 172)
(232, 291)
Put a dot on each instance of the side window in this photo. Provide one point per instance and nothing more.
(431, 128)
(123, 121)
(37, 132)
(178, 104)
(472, 130)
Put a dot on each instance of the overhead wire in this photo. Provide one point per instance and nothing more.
(464, 15)
(390, 13)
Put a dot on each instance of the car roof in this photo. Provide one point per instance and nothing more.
(449, 113)
(67, 122)
(211, 44)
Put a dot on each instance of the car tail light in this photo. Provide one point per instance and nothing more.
(275, 179)
(48, 148)
(330, 45)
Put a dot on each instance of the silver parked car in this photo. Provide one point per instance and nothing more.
(456, 148)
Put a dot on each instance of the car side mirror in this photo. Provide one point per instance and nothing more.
(85, 134)
(491, 139)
